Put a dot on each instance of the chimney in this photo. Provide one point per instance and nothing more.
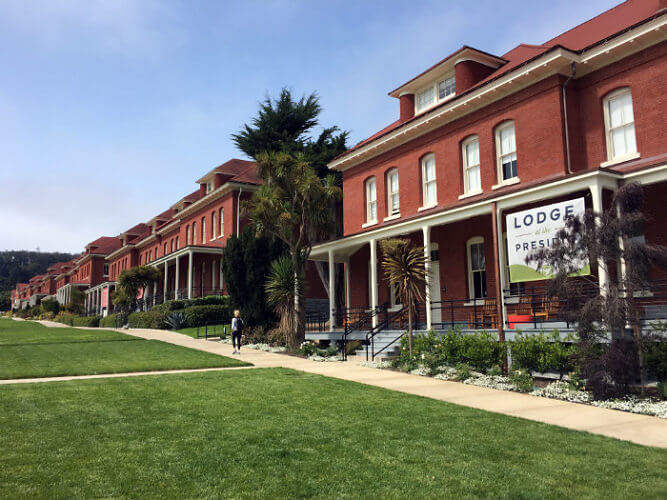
(407, 107)
(467, 73)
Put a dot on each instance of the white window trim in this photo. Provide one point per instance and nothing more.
(475, 240)
(499, 156)
(214, 222)
(436, 100)
(432, 203)
(367, 185)
(390, 215)
(612, 159)
(222, 222)
(466, 188)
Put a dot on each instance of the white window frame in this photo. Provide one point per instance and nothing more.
(391, 214)
(213, 225)
(194, 233)
(500, 154)
(203, 230)
(476, 240)
(371, 203)
(222, 223)
(435, 88)
(466, 167)
(426, 202)
(612, 157)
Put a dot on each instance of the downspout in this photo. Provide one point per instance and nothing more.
(238, 212)
(567, 129)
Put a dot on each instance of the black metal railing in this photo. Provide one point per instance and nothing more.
(360, 322)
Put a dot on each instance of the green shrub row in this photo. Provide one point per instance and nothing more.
(116, 320)
(147, 319)
(177, 305)
(85, 321)
(196, 315)
(542, 353)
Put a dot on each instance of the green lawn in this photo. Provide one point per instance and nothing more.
(212, 330)
(277, 433)
(28, 349)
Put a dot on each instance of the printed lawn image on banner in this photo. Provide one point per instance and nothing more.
(536, 228)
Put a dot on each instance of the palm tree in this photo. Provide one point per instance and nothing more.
(280, 291)
(405, 270)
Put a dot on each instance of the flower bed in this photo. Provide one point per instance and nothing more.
(556, 390)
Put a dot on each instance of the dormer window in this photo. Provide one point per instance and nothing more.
(440, 90)
(209, 186)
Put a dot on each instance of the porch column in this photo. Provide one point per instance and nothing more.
(332, 292)
(221, 278)
(166, 274)
(374, 280)
(213, 278)
(99, 301)
(603, 278)
(499, 258)
(190, 274)
(178, 280)
(347, 283)
(427, 256)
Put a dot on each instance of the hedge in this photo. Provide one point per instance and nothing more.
(148, 319)
(177, 305)
(207, 314)
(65, 318)
(116, 320)
(86, 321)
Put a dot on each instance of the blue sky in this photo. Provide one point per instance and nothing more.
(110, 110)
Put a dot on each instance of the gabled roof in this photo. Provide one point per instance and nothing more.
(103, 245)
(596, 30)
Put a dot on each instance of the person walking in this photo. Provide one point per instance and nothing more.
(237, 332)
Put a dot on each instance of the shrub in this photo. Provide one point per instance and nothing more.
(206, 314)
(494, 371)
(116, 320)
(176, 320)
(481, 350)
(655, 358)
(463, 371)
(65, 318)
(256, 335)
(539, 353)
(522, 381)
(147, 319)
(277, 337)
(93, 321)
(51, 306)
(176, 305)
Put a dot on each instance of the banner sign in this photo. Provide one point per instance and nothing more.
(533, 229)
(105, 297)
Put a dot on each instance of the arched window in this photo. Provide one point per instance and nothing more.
(429, 186)
(222, 222)
(213, 225)
(472, 179)
(506, 153)
(619, 124)
(371, 201)
(393, 201)
(165, 249)
(187, 235)
(476, 268)
(203, 230)
(177, 247)
(194, 233)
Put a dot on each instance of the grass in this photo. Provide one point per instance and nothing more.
(28, 349)
(212, 329)
(277, 433)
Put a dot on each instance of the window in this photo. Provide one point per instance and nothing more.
(429, 188)
(177, 242)
(194, 233)
(371, 201)
(476, 268)
(506, 152)
(212, 226)
(425, 98)
(203, 230)
(105, 270)
(446, 88)
(472, 180)
(165, 249)
(619, 125)
(187, 235)
(209, 187)
(222, 222)
(393, 202)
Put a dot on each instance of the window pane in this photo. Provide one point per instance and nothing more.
(426, 98)
(474, 180)
(615, 112)
(507, 144)
(446, 88)
(431, 193)
(509, 166)
(618, 141)
(394, 203)
(630, 142)
(430, 170)
(472, 153)
(477, 257)
(371, 191)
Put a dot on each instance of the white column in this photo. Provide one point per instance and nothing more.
(347, 283)
(596, 195)
(166, 281)
(426, 230)
(374, 279)
(221, 277)
(190, 259)
(213, 277)
(178, 280)
(332, 292)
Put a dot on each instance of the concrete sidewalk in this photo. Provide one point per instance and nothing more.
(641, 429)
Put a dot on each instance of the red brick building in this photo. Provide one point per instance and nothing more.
(480, 137)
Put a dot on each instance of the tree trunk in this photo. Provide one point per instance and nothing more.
(410, 327)
(298, 334)
(633, 315)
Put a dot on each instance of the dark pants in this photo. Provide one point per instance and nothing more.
(236, 340)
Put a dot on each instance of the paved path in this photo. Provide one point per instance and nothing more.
(641, 429)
